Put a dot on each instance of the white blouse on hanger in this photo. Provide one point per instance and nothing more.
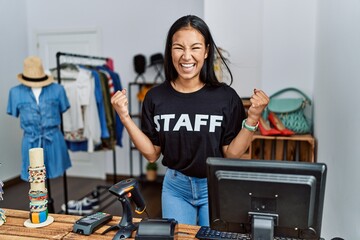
(83, 113)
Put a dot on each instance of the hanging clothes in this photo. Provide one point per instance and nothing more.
(107, 143)
(99, 102)
(105, 83)
(40, 123)
(115, 86)
(82, 122)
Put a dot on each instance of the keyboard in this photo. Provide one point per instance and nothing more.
(211, 234)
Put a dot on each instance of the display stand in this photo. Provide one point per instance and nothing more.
(38, 193)
(294, 148)
(300, 148)
(262, 226)
(58, 68)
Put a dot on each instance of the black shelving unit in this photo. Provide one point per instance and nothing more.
(135, 113)
(135, 107)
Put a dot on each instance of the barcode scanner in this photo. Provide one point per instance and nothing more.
(130, 188)
(125, 190)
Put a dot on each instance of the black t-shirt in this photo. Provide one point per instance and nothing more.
(190, 127)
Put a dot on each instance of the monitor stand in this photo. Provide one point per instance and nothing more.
(262, 227)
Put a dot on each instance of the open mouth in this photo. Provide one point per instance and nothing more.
(188, 65)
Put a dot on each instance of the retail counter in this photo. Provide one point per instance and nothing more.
(62, 227)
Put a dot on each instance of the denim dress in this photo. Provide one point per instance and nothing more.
(40, 123)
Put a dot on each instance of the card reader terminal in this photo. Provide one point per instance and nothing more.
(90, 223)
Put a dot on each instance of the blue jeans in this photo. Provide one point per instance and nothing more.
(185, 198)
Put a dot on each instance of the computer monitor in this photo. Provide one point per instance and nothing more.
(266, 198)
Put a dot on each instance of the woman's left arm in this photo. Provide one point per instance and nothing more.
(259, 100)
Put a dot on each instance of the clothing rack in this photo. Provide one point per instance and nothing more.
(58, 68)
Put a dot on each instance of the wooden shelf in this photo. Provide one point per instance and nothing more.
(293, 148)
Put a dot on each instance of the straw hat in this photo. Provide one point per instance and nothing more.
(34, 75)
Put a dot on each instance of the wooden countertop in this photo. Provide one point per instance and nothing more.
(62, 226)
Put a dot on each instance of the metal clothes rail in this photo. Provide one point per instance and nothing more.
(58, 68)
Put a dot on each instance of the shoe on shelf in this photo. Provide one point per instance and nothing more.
(81, 207)
(275, 121)
(266, 130)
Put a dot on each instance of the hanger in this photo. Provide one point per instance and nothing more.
(65, 66)
(69, 66)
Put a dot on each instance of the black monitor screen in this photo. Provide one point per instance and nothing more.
(266, 197)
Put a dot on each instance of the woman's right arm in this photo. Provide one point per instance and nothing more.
(140, 140)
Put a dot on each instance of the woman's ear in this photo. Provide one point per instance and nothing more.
(207, 51)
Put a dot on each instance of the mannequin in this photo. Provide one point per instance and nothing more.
(39, 101)
(36, 91)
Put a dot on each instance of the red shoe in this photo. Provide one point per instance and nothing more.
(279, 125)
(265, 128)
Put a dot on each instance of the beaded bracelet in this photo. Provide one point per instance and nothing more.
(38, 206)
(35, 176)
(39, 179)
(36, 172)
(250, 128)
(36, 168)
(36, 193)
(2, 215)
(38, 217)
(37, 198)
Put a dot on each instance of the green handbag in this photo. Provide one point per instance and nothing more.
(290, 110)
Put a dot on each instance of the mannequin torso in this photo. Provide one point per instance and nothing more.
(36, 91)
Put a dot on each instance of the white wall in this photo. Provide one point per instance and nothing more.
(337, 82)
(271, 43)
(13, 50)
(288, 45)
(237, 27)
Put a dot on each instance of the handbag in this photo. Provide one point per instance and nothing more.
(290, 110)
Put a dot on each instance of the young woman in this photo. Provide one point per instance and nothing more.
(190, 117)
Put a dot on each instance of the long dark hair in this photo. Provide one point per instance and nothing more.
(207, 73)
